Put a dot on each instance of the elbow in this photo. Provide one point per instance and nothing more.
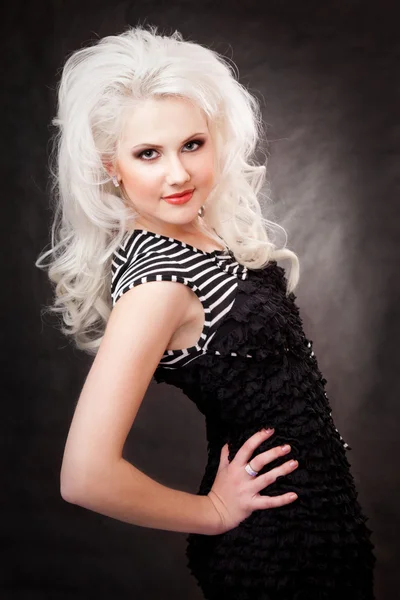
(73, 488)
(81, 483)
(70, 490)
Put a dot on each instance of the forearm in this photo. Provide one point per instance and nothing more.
(125, 493)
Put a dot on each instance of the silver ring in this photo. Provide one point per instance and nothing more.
(251, 471)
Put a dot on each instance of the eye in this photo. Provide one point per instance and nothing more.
(144, 155)
(198, 142)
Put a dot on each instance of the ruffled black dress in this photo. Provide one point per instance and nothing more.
(260, 371)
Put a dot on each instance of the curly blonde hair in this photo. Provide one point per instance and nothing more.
(99, 85)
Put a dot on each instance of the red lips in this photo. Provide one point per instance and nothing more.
(180, 194)
(177, 200)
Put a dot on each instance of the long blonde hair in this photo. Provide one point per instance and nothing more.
(98, 85)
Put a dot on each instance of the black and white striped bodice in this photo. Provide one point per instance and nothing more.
(146, 256)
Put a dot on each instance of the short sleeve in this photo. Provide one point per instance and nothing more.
(127, 274)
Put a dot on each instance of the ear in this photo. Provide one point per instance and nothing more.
(110, 167)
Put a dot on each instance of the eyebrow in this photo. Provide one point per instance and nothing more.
(160, 147)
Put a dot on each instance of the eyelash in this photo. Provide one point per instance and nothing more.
(141, 157)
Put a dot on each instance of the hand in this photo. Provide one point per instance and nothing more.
(235, 493)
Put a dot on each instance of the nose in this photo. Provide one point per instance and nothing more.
(176, 174)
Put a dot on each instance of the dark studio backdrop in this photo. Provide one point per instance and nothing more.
(327, 74)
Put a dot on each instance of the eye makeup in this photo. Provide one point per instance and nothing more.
(141, 155)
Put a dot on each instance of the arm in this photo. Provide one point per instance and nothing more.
(94, 474)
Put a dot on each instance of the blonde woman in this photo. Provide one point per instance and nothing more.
(154, 184)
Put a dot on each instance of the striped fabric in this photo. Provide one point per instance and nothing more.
(213, 276)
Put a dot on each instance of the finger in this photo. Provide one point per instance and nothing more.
(262, 481)
(263, 502)
(245, 452)
(259, 461)
(224, 462)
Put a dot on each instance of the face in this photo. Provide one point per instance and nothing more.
(166, 149)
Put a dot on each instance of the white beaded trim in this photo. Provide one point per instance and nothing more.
(233, 354)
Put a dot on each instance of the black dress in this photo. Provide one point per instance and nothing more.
(253, 367)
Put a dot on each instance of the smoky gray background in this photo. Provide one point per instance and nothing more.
(326, 74)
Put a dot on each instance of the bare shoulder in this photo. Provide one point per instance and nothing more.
(141, 324)
(148, 306)
(139, 328)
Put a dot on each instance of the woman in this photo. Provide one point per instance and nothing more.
(154, 184)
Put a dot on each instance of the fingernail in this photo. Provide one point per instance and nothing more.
(269, 430)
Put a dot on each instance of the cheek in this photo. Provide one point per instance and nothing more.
(143, 180)
(207, 169)
(209, 174)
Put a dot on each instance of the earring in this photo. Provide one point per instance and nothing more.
(201, 211)
(115, 181)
